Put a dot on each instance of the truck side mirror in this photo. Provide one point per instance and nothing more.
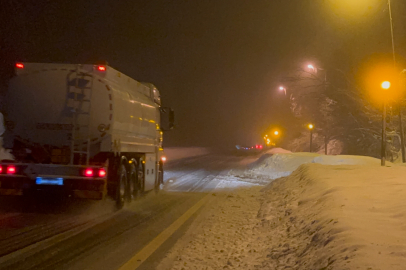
(167, 118)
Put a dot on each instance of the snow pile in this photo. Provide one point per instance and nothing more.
(278, 151)
(337, 217)
(320, 217)
(281, 165)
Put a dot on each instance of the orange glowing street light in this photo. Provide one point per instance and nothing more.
(385, 85)
(311, 127)
(311, 67)
(276, 133)
(281, 88)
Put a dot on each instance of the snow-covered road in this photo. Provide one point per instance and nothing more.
(280, 210)
(55, 234)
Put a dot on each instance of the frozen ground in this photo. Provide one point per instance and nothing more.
(332, 212)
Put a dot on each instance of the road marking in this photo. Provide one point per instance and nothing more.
(24, 253)
(152, 246)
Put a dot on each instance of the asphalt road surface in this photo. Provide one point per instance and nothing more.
(51, 233)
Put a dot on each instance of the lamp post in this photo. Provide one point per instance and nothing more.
(281, 88)
(385, 86)
(402, 140)
(311, 127)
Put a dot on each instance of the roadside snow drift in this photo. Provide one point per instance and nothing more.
(350, 215)
(283, 164)
(337, 217)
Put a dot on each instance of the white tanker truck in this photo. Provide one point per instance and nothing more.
(87, 131)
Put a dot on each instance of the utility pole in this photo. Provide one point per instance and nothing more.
(385, 86)
(311, 127)
(326, 137)
(311, 139)
(402, 140)
(383, 143)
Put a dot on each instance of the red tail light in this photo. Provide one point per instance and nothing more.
(89, 172)
(11, 170)
(19, 65)
(102, 173)
(101, 68)
(1, 169)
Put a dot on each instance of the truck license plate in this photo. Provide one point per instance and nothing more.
(49, 181)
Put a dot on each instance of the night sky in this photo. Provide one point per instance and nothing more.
(217, 63)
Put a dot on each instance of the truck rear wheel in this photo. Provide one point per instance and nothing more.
(121, 186)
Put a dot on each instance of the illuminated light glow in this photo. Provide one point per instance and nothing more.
(310, 126)
(101, 68)
(276, 132)
(310, 66)
(89, 172)
(163, 159)
(102, 173)
(385, 85)
(11, 170)
(1, 169)
(19, 65)
(281, 88)
(146, 105)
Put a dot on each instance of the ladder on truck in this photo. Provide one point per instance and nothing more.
(81, 96)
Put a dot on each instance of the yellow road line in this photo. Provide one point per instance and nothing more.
(152, 246)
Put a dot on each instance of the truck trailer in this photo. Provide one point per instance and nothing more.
(87, 131)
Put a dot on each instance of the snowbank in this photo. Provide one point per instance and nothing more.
(337, 217)
(278, 151)
(283, 164)
(320, 217)
(174, 153)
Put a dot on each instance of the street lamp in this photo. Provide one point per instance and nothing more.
(310, 67)
(276, 133)
(281, 88)
(311, 127)
(385, 86)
